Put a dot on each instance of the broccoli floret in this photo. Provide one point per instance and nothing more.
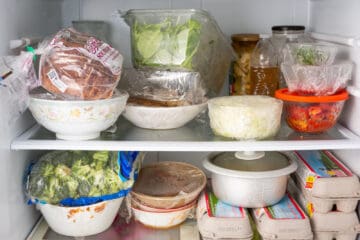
(61, 171)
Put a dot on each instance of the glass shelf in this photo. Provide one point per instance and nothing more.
(196, 136)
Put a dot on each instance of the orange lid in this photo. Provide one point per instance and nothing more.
(284, 94)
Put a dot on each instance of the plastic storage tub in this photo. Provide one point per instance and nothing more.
(217, 220)
(284, 220)
(311, 114)
(180, 39)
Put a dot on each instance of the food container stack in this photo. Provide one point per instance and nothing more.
(80, 74)
(329, 192)
(166, 194)
(316, 86)
(181, 58)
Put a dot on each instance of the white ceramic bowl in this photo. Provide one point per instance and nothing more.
(81, 221)
(77, 120)
(250, 189)
(162, 117)
(163, 220)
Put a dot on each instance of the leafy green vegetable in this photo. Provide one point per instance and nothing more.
(166, 44)
(309, 56)
(73, 174)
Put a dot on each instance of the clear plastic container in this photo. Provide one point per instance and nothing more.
(311, 114)
(180, 39)
(317, 80)
(309, 53)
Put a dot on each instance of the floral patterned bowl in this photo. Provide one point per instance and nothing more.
(77, 119)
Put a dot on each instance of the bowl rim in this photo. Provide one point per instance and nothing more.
(84, 206)
(118, 94)
(213, 101)
(170, 210)
(285, 95)
(167, 198)
(247, 174)
(151, 108)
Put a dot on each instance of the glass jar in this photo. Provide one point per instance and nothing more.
(264, 69)
(243, 44)
(281, 35)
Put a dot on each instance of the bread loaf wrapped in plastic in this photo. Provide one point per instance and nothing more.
(79, 66)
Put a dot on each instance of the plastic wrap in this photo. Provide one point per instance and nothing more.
(163, 88)
(78, 178)
(17, 78)
(309, 54)
(79, 66)
(317, 80)
(168, 185)
(182, 39)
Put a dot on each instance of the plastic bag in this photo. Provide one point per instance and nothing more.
(317, 80)
(79, 66)
(78, 178)
(17, 78)
(164, 87)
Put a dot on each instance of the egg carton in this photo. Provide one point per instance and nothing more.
(339, 223)
(334, 235)
(325, 176)
(217, 220)
(284, 220)
(325, 205)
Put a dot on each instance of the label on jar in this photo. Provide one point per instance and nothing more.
(217, 208)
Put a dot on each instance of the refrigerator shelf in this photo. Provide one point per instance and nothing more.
(193, 137)
(121, 230)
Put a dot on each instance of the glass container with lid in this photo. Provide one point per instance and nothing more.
(243, 44)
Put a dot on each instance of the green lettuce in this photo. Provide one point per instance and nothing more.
(166, 44)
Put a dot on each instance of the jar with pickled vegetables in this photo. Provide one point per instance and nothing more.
(243, 44)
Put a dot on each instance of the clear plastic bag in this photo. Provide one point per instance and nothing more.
(317, 80)
(78, 178)
(79, 66)
(17, 79)
(165, 87)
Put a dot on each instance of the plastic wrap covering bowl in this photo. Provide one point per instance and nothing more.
(312, 114)
(165, 87)
(168, 185)
(316, 80)
(161, 219)
(155, 117)
(309, 53)
(180, 39)
(245, 117)
(249, 183)
(77, 119)
(81, 221)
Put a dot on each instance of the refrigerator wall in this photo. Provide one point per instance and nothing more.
(37, 18)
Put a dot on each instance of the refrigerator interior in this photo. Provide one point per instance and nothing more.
(335, 21)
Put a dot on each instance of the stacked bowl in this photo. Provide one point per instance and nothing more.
(316, 84)
(180, 58)
(166, 193)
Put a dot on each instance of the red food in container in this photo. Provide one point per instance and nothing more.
(312, 114)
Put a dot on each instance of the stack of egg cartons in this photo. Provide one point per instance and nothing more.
(329, 192)
(181, 58)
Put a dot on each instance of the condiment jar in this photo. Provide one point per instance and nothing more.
(264, 69)
(243, 44)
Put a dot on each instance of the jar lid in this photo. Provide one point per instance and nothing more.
(245, 37)
(272, 164)
(284, 94)
(286, 28)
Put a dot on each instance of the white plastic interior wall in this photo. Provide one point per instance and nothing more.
(333, 19)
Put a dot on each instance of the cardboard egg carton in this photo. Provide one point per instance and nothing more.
(217, 220)
(284, 220)
(327, 226)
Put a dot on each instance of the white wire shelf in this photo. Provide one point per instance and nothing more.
(194, 137)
